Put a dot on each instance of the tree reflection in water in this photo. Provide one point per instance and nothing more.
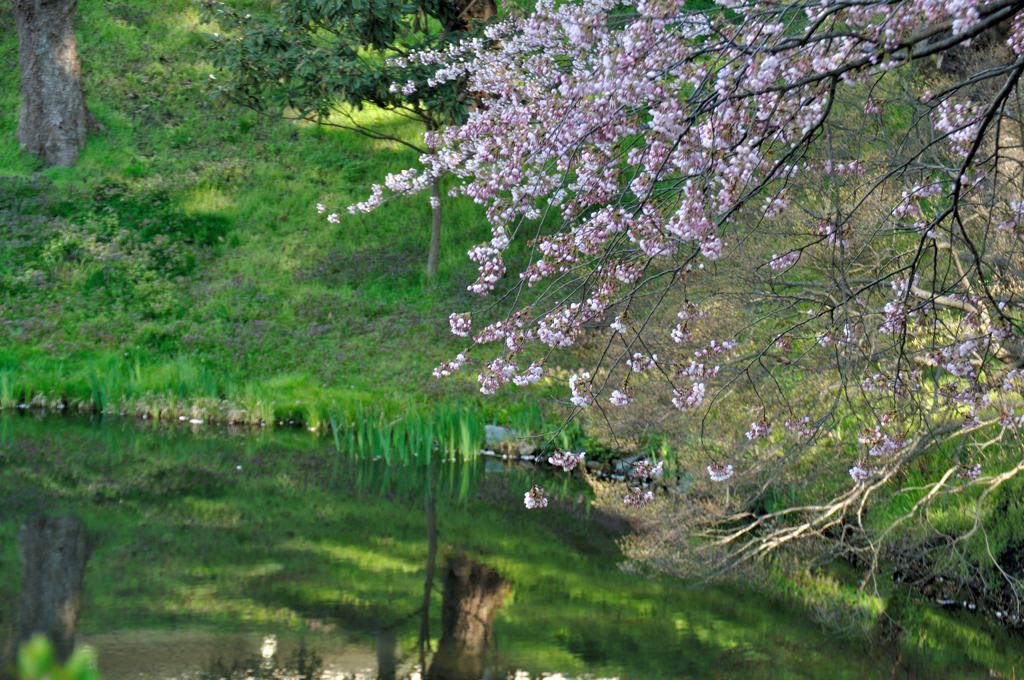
(303, 664)
(200, 559)
(53, 551)
(473, 593)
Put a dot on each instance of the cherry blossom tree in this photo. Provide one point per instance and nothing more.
(798, 225)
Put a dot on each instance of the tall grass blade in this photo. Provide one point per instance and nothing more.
(337, 448)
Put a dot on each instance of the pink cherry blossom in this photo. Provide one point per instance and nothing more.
(860, 472)
(758, 430)
(567, 460)
(971, 473)
(535, 498)
(645, 470)
(850, 279)
(719, 473)
(638, 498)
(623, 397)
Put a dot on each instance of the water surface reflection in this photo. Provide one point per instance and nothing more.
(206, 544)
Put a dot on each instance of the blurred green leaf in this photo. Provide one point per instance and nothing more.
(37, 661)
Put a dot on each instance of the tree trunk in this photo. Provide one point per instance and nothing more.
(435, 229)
(54, 118)
(8, 649)
(386, 642)
(8, 636)
(473, 593)
(53, 555)
(472, 12)
(428, 584)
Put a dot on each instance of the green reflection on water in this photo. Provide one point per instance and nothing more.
(200, 529)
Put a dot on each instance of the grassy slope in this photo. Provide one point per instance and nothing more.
(262, 294)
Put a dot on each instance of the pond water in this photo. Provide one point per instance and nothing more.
(217, 551)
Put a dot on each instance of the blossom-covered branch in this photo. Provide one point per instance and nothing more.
(806, 215)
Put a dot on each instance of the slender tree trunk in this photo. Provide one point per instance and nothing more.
(428, 584)
(53, 551)
(385, 641)
(54, 118)
(8, 638)
(435, 229)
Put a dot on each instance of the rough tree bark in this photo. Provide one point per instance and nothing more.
(473, 593)
(53, 551)
(54, 119)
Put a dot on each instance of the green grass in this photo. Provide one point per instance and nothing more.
(186, 241)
